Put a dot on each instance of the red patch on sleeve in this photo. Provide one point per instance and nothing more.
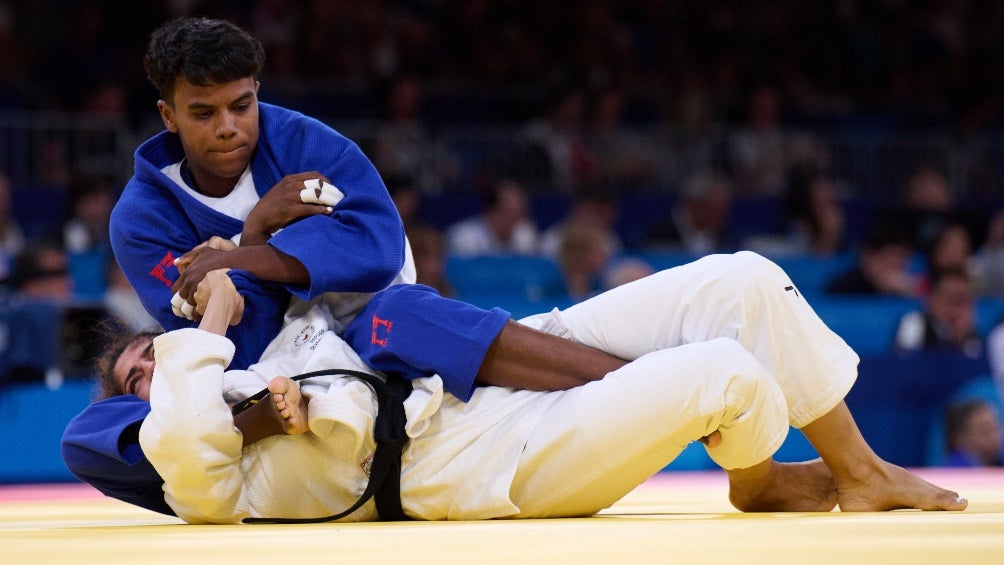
(160, 270)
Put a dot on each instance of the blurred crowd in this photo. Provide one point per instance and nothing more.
(578, 85)
(692, 64)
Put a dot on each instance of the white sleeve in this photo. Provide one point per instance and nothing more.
(189, 435)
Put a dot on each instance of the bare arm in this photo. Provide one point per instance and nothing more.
(262, 261)
(221, 306)
(218, 302)
(281, 205)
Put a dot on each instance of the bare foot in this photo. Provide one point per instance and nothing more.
(889, 487)
(783, 487)
(290, 405)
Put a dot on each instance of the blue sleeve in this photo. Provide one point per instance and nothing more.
(100, 446)
(359, 247)
(147, 235)
(394, 331)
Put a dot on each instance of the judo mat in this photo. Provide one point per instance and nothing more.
(675, 517)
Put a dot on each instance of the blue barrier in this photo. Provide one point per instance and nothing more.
(509, 277)
(32, 419)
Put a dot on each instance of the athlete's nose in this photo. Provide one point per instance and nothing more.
(227, 127)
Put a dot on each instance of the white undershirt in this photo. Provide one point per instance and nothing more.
(237, 204)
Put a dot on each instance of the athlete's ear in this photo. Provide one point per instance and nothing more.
(257, 86)
(167, 115)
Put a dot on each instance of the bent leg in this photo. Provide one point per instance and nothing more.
(599, 441)
(748, 298)
(742, 296)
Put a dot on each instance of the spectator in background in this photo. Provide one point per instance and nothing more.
(813, 220)
(85, 229)
(557, 134)
(995, 355)
(84, 235)
(928, 205)
(624, 158)
(951, 250)
(582, 258)
(32, 317)
(883, 266)
(403, 146)
(41, 273)
(989, 258)
(757, 151)
(407, 198)
(503, 227)
(429, 250)
(948, 320)
(11, 235)
(699, 223)
(625, 270)
(972, 435)
(595, 207)
(122, 302)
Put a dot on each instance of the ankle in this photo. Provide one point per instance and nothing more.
(858, 469)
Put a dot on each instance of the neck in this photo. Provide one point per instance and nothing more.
(214, 187)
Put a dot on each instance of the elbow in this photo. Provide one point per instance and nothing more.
(386, 270)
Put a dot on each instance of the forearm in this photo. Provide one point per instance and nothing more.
(521, 357)
(218, 315)
(265, 262)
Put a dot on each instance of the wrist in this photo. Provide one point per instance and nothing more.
(253, 233)
(217, 317)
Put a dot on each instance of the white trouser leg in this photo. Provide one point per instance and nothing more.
(741, 296)
(599, 441)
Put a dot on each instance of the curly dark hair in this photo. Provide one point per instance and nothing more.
(204, 51)
(105, 363)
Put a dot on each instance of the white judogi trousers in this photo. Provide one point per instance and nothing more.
(725, 343)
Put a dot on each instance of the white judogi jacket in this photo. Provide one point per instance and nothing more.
(456, 467)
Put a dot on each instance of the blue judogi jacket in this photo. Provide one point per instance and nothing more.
(357, 248)
(360, 247)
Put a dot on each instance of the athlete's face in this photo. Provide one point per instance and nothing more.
(218, 127)
(133, 371)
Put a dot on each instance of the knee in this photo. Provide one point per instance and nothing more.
(745, 270)
(744, 378)
(755, 267)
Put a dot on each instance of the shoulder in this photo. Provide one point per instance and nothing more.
(295, 137)
(281, 121)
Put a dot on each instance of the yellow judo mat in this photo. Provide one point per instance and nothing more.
(673, 518)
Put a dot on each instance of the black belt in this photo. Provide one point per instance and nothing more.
(388, 432)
